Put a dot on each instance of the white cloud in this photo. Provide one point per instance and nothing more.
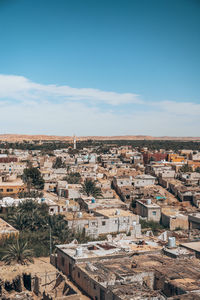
(73, 117)
(179, 108)
(38, 110)
(20, 88)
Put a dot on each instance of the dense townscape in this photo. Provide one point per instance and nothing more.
(110, 220)
(100, 150)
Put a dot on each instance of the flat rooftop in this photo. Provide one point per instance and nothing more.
(196, 215)
(121, 246)
(133, 291)
(104, 203)
(70, 215)
(90, 250)
(113, 212)
(183, 274)
(144, 176)
(9, 201)
(175, 181)
(151, 205)
(6, 228)
(12, 183)
(195, 246)
(169, 211)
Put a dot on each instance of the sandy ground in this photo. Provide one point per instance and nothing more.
(41, 267)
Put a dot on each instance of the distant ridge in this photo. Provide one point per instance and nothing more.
(24, 137)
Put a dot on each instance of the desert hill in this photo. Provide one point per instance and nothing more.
(24, 137)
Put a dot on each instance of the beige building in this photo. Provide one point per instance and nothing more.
(147, 209)
(173, 219)
(144, 180)
(194, 221)
(104, 221)
(11, 188)
(110, 271)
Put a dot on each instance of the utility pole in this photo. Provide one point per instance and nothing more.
(50, 238)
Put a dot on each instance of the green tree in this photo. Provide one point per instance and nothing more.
(34, 214)
(59, 163)
(89, 188)
(32, 176)
(197, 170)
(185, 169)
(73, 178)
(27, 206)
(18, 252)
(31, 194)
(18, 220)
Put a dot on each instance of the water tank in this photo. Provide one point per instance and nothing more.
(148, 201)
(80, 214)
(117, 212)
(67, 202)
(171, 242)
(93, 200)
(74, 208)
(42, 199)
(134, 223)
(79, 251)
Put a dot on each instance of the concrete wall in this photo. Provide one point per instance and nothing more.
(194, 222)
(101, 225)
(174, 222)
(151, 213)
(143, 182)
(111, 225)
(185, 196)
(163, 182)
(196, 200)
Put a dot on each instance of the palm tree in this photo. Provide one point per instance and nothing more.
(28, 206)
(61, 233)
(18, 220)
(89, 188)
(10, 211)
(18, 252)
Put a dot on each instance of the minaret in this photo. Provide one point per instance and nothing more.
(74, 139)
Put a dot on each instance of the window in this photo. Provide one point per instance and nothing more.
(103, 223)
(1, 190)
(79, 275)
(9, 190)
(93, 223)
(62, 261)
(94, 286)
(154, 213)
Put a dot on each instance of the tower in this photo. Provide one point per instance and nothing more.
(74, 140)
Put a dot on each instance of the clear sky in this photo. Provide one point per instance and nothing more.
(106, 67)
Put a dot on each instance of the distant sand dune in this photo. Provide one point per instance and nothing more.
(22, 137)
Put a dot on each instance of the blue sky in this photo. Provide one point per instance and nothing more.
(100, 67)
